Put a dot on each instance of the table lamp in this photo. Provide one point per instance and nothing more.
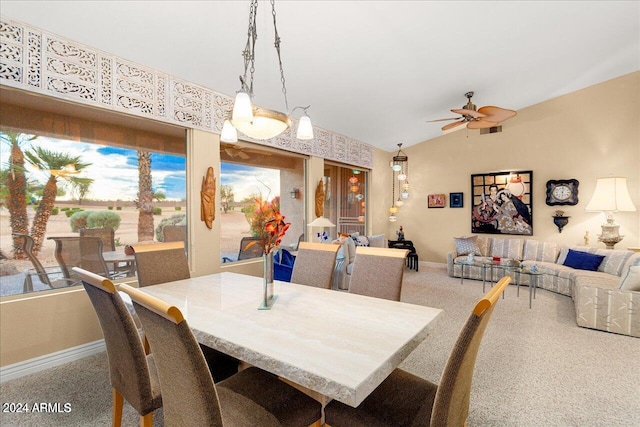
(321, 222)
(611, 195)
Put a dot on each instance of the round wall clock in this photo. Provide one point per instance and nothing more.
(562, 192)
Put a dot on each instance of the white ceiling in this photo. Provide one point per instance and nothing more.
(372, 70)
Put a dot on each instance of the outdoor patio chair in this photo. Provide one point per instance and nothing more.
(50, 276)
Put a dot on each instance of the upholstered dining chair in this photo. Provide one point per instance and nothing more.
(404, 399)
(314, 264)
(167, 262)
(160, 263)
(252, 397)
(83, 252)
(377, 272)
(132, 372)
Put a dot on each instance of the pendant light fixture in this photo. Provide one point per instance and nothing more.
(399, 173)
(257, 122)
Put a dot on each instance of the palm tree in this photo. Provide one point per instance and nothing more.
(17, 187)
(145, 197)
(58, 166)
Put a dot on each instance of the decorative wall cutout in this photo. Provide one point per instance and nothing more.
(36, 61)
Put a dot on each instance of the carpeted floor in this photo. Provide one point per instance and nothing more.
(536, 367)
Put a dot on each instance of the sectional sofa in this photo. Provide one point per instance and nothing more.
(607, 298)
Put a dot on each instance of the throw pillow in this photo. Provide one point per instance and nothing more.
(631, 280)
(467, 245)
(583, 260)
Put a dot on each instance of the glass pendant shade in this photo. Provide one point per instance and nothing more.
(266, 124)
(305, 130)
(396, 167)
(393, 218)
(402, 176)
(405, 195)
(393, 210)
(399, 202)
(229, 133)
(242, 108)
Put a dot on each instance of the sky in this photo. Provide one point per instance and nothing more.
(115, 172)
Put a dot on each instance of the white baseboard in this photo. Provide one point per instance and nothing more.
(51, 360)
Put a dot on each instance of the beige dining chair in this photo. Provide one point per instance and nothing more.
(404, 399)
(83, 252)
(252, 397)
(314, 265)
(132, 372)
(106, 234)
(160, 263)
(378, 272)
(167, 262)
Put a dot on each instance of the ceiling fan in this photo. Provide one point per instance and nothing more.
(483, 117)
(240, 151)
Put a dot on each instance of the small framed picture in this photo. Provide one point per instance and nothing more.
(436, 200)
(455, 200)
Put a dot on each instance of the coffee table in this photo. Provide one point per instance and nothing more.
(518, 270)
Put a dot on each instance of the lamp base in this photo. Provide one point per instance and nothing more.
(610, 235)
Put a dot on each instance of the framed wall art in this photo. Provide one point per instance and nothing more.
(502, 203)
(455, 200)
(436, 200)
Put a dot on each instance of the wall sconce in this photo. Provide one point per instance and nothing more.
(294, 193)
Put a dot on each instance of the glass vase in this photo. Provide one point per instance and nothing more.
(268, 296)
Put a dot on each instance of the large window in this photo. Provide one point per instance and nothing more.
(249, 172)
(83, 169)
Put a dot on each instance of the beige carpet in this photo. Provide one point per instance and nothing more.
(535, 368)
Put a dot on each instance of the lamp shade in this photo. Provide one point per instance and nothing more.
(611, 195)
(229, 133)
(321, 222)
(305, 130)
(242, 108)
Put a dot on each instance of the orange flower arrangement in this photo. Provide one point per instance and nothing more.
(269, 223)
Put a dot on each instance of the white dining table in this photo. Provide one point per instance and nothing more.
(339, 345)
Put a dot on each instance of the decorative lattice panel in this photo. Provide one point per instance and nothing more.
(36, 61)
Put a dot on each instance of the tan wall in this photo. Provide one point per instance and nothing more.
(46, 323)
(591, 133)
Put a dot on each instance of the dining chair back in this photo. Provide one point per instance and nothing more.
(378, 272)
(250, 398)
(250, 248)
(106, 234)
(404, 399)
(132, 372)
(314, 265)
(160, 263)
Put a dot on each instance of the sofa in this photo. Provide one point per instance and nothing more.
(606, 296)
(347, 254)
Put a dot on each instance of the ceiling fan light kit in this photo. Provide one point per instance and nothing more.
(256, 122)
(476, 118)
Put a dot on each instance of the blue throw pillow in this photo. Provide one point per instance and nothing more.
(583, 260)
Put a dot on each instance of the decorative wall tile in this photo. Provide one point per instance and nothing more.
(36, 61)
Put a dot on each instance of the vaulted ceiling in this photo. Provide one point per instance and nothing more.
(375, 71)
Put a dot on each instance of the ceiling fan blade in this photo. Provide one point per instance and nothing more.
(451, 126)
(496, 114)
(243, 155)
(481, 124)
(465, 112)
(230, 152)
(442, 120)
